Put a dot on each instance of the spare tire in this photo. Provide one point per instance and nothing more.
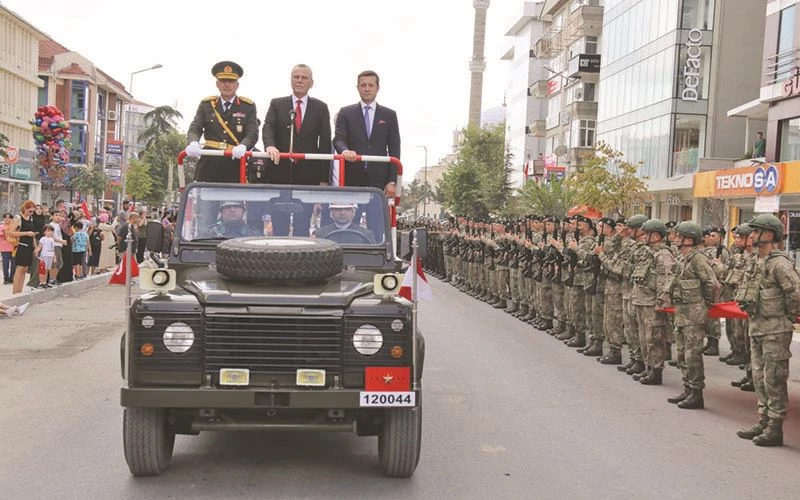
(274, 258)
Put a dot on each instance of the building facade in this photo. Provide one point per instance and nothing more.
(570, 50)
(91, 100)
(666, 87)
(523, 109)
(19, 84)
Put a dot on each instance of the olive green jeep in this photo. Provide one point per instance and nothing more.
(242, 327)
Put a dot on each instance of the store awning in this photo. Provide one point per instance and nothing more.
(754, 109)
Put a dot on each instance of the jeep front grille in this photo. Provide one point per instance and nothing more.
(272, 344)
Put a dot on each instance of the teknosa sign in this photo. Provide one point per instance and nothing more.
(742, 182)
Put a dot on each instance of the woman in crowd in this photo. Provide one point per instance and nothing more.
(41, 217)
(108, 248)
(23, 230)
(6, 249)
(95, 246)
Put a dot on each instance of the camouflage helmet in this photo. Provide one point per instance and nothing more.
(768, 222)
(655, 226)
(743, 229)
(691, 230)
(636, 221)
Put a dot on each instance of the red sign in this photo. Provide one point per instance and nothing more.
(387, 379)
(554, 85)
(791, 85)
(12, 155)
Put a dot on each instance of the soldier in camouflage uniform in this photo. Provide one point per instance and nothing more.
(513, 269)
(633, 248)
(717, 255)
(569, 262)
(694, 289)
(232, 222)
(743, 260)
(501, 265)
(578, 250)
(595, 291)
(652, 279)
(545, 277)
(608, 254)
(771, 297)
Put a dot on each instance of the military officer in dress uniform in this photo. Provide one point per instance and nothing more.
(228, 122)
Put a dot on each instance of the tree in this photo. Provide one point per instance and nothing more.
(93, 181)
(608, 183)
(137, 180)
(160, 157)
(546, 198)
(3, 145)
(159, 121)
(478, 183)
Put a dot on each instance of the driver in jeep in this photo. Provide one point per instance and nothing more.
(343, 227)
(232, 223)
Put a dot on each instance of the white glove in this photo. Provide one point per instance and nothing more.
(193, 150)
(238, 151)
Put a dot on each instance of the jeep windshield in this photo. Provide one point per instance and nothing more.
(348, 216)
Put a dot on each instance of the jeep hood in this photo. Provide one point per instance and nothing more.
(212, 288)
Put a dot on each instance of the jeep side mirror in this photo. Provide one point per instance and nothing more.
(155, 236)
(421, 234)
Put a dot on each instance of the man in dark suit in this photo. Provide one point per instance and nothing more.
(366, 128)
(228, 122)
(310, 122)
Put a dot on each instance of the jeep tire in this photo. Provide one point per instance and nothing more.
(400, 441)
(277, 258)
(148, 440)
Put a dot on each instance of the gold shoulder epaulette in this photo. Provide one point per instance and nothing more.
(210, 98)
(246, 99)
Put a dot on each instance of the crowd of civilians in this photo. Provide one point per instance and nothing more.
(43, 247)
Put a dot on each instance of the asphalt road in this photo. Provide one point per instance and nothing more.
(510, 413)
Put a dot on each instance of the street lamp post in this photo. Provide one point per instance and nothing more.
(425, 181)
(130, 130)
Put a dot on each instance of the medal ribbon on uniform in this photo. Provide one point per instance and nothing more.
(224, 125)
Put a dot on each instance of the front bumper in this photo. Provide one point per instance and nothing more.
(148, 397)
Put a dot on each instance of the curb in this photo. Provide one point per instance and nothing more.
(41, 295)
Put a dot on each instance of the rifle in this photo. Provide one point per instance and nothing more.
(541, 255)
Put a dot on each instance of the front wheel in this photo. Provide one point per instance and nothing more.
(148, 440)
(400, 441)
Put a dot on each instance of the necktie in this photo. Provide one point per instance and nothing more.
(367, 123)
(226, 106)
(298, 115)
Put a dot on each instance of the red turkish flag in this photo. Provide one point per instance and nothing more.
(118, 276)
(387, 378)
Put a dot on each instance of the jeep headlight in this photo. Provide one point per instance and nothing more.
(178, 337)
(367, 339)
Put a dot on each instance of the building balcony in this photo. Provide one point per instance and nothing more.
(587, 19)
(550, 44)
(537, 128)
(585, 110)
(538, 89)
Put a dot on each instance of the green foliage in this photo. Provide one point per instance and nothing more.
(138, 183)
(415, 194)
(608, 183)
(161, 156)
(160, 121)
(3, 145)
(550, 198)
(478, 183)
(91, 180)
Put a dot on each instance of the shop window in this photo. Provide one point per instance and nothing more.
(790, 140)
(697, 14)
(690, 132)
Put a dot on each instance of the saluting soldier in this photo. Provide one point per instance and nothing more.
(228, 122)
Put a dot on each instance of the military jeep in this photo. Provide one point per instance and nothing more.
(242, 328)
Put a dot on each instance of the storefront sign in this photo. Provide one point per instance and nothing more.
(767, 204)
(673, 199)
(114, 148)
(113, 160)
(791, 86)
(554, 85)
(740, 182)
(589, 63)
(22, 172)
(691, 72)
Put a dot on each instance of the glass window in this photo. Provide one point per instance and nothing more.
(697, 14)
(790, 140)
(785, 60)
(590, 45)
(583, 132)
(42, 97)
(78, 103)
(77, 151)
(690, 131)
(694, 65)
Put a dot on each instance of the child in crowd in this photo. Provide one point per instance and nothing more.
(45, 250)
(80, 242)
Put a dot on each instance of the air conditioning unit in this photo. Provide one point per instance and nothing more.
(112, 115)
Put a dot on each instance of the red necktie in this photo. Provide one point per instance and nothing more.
(298, 115)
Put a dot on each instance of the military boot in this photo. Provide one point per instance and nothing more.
(528, 315)
(579, 340)
(512, 307)
(755, 430)
(636, 368)
(736, 359)
(627, 365)
(694, 401)
(588, 346)
(712, 347)
(654, 378)
(748, 386)
(638, 376)
(568, 333)
(772, 435)
(612, 357)
(680, 397)
(595, 350)
(726, 358)
(741, 381)
(521, 311)
(498, 303)
(547, 324)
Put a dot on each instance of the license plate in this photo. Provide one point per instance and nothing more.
(234, 376)
(312, 378)
(388, 399)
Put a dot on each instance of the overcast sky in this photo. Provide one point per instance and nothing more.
(420, 48)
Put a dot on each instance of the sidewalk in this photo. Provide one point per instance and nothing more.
(42, 295)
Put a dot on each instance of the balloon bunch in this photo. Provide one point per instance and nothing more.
(51, 134)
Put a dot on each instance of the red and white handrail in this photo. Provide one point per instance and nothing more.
(393, 203)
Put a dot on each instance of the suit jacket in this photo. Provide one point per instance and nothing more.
(351, 133)
(314, 137)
